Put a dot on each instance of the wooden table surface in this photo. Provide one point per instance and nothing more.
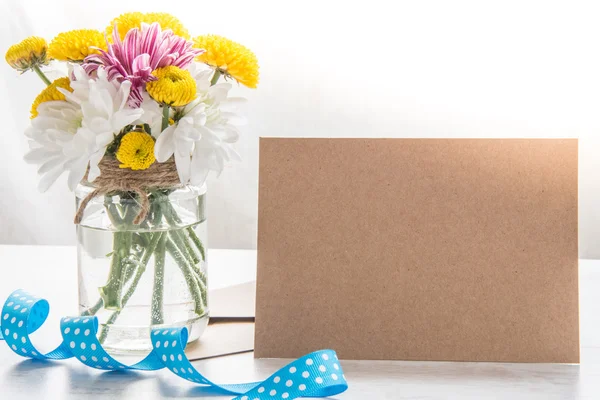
(50, 272)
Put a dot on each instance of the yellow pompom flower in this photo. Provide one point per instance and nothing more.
(136, 151)
(174, 87)
(50, 93)
(131, 20)
(28, 54)
(229, 58)
(76, 45)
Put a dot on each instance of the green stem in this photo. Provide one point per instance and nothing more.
(132, 208)
(93, 309)
(179, 237)
(181, 242)
(197, 242)
(182, 246)
(136, 280)
(187, 274)
(121, 269)
(169, 212)
(157, 214)
(186, 247)
(165, 118)
(190, 248)
(141, 239)
(111, 292)
(138, 239)
(151, 248)
(113, 214)
(118, 222)
(130, 268)
(173, 219)
(42, 76)
(157, 312)
(201, 279)
(215, 77)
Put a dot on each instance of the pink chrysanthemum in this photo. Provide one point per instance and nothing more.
(141, 52)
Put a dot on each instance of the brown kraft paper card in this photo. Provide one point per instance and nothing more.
(418, 249)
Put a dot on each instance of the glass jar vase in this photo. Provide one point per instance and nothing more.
(134, 277)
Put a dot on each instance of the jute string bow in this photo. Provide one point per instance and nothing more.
(115, 179)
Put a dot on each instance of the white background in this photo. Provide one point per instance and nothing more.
(343, 69)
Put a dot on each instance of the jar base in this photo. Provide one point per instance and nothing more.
(134, 340)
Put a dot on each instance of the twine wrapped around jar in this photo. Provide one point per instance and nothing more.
(115, 179)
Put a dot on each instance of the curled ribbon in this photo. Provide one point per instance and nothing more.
(317, 374)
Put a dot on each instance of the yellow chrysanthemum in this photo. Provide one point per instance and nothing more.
(76, 45)
(136, 151)
(230, 58)
(175, 86)
(50, 93)
(131, 20)
(28, 54)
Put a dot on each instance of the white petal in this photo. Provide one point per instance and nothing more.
(104, 139)
(37, 156)
(219, 91)
(102, 75)
(152, 115)
(232, 104)
(199, 168)
(101, 100)
(183, 163)
(77, 172)
(31, 132)
(123, 95)
(125, 117)
(165, 144)
(50, 164)
(94, 161)
(183, 145)
(208, 135)
(221, 157)
(235, 156)
(233, 118)
(156, 127)
(230, 134)
(49, 178)
(70, 96)
(78, 72)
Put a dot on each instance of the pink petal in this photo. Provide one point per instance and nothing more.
(141, 51)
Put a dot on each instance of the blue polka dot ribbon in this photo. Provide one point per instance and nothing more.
(317, 374)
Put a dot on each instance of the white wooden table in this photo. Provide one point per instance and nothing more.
(50, 272)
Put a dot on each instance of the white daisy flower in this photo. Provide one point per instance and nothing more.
(49, 134)
(73, 134)
(202, 139)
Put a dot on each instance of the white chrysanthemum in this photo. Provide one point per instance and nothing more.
(49, 134)
(72, 135)
(202, 139)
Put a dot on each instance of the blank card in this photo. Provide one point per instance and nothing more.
(418, 249)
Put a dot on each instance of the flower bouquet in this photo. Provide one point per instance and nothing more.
(141, 117)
